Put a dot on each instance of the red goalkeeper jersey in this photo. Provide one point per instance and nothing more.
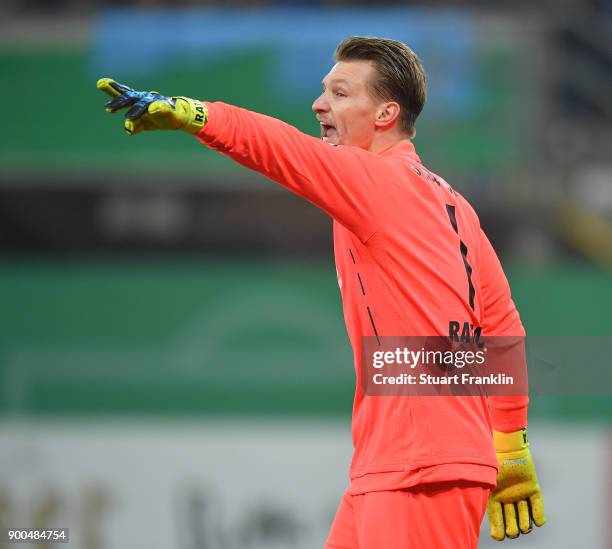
(404, 242)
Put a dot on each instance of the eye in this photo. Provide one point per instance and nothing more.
(340, 94)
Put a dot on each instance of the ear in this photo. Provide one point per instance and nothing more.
(387, 114)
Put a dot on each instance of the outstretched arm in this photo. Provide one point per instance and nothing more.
(346, 182)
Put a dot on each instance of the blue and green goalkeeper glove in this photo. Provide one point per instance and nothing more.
(516, 503)
(153, 111)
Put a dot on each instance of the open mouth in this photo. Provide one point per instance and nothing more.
(328, 132)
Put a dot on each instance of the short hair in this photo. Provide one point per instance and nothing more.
(401, 76)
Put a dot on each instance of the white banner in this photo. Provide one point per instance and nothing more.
(239, 485)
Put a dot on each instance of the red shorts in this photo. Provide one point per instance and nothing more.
(445, 515)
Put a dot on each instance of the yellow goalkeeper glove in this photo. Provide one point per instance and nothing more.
(516, 503)
(153, 111)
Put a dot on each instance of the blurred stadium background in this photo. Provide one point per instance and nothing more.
(173, 363)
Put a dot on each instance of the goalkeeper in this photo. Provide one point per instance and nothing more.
(411, 259)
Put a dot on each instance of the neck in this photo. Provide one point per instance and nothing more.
(385, 140)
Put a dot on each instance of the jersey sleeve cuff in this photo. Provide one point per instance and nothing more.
(214, 123)
(508, 414)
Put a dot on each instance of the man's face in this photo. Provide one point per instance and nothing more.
(346, 110)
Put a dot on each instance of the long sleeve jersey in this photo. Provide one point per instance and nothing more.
(411, 257)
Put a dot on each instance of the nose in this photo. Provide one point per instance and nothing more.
(320, 104)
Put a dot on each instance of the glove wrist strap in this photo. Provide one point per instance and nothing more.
(198, 115)
(508, 442)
